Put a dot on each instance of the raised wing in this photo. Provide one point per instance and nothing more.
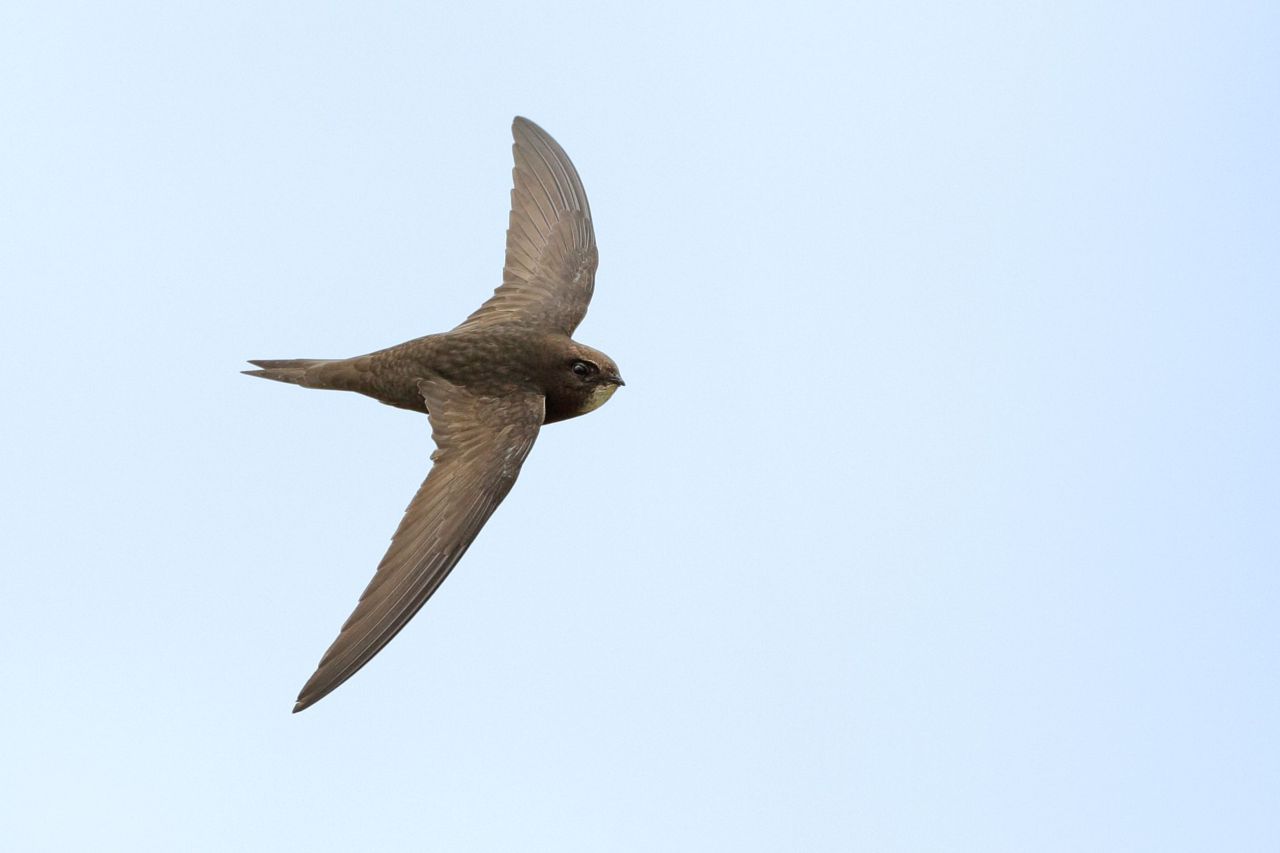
(551, 246)
(481, 444)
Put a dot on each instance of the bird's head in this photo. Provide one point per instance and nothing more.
(583, 380)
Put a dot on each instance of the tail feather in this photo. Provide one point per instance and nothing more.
(291, 370)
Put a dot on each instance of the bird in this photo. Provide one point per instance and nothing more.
(487, 387)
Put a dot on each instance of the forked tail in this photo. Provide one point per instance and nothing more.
(291, 370)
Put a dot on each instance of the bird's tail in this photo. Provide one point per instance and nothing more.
(291, 370)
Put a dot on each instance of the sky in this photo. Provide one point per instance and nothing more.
(939, 512)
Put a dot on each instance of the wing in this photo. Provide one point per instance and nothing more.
(481, 444)
(551, 245)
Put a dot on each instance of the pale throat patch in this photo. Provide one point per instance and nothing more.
(599, 396)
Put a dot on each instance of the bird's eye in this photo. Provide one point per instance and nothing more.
(581, 368)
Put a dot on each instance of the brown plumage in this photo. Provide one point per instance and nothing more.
(487, 386)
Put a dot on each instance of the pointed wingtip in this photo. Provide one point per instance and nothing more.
(310, 694)
(520, 122)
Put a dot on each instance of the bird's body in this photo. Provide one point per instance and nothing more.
(487, 386)
(495, 361)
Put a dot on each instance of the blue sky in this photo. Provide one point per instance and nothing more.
(938, 513)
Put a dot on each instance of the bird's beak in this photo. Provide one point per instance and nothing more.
(616, 380)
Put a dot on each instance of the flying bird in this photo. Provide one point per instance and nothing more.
(487, 387)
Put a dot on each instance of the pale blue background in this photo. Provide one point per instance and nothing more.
(939, 512)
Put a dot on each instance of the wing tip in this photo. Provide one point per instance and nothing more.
(306, 699)
(315, 689)
(521, 125)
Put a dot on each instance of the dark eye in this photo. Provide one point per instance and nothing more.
(581, 368)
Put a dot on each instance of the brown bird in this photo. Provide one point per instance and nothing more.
(487, 386)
